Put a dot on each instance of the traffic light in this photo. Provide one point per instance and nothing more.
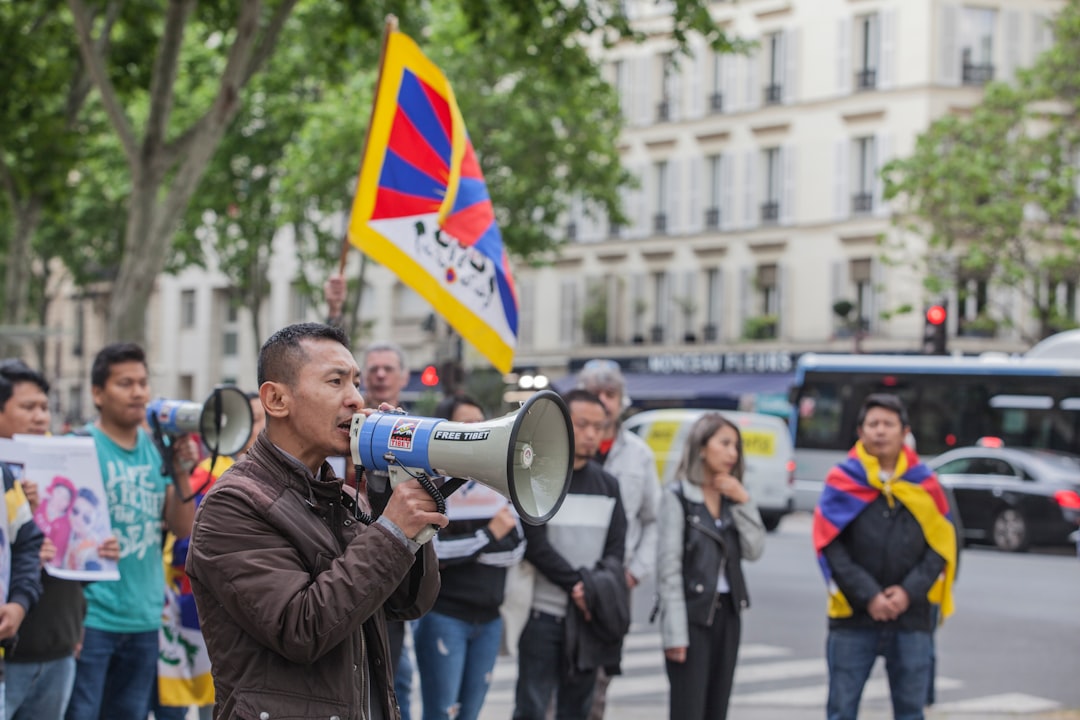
(430, 376)
(935, 331)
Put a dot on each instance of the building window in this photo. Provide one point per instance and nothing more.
(864, 172)
(768, 292)
(232, 307)
(230, 344)
(187, 308)
(568, 313)
(408, 303)
(716, 95)
(862, 282)
(75, 404)
(660, 219)
(770, 208)
(667, 87)
(977, 45)
(713, 304)
(973, 305)
(868, 48)
(712, 210)
(661, 305)
(774, 46)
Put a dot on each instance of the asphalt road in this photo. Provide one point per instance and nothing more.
(1011, 650)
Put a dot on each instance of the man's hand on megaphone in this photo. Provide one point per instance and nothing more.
(185, 455)
(412, 509)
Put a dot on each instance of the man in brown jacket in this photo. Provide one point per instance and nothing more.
(293, 591)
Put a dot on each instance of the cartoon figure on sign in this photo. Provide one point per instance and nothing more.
(53, 515)
(86, 535)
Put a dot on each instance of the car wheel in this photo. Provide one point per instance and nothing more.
(1010, 531)
(771, 520)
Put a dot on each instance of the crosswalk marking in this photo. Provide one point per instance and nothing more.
(816, 695)
(760, 678)
(1006, 703)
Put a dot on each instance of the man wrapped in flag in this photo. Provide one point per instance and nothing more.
(887, 548)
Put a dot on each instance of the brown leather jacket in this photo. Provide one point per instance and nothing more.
(293, 594)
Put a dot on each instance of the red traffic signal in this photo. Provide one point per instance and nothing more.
(935, 315)
(430, 376)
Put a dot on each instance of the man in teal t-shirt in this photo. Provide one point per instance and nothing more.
(117, 666)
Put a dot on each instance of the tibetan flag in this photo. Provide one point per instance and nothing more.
(422, 207)
(854, 484)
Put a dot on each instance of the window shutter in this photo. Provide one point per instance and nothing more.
(639, 209)
(727, 192)
(568, 315)
(843, 56)
(882, 155)
(841, 172)
(782, 319)
(877, 275)
(526, 313)
(788, 213)
(674, 90)
(887, 34)
(693, 69)
(746, 289)
(949, 62)
(1041, 35)
(791, 67)
(839, 288)
(643, 89)
(1011, 50)
(695, 220)
(750, 210)
(730, 65)
(674, 209)
(753, 87)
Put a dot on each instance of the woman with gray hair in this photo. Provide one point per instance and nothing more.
(708, 524)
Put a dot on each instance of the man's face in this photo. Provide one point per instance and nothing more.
(26, 411)
(882, 433)
(122, 401)
(384, 378)
(323, 400)
(612, 399)
(590, 421)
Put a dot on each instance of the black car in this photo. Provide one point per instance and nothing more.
(1013, 497)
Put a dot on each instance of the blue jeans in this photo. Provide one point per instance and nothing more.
(542, 671)
(114, 676)
(455, 659)
(851, 654)
(39, 691)
(403, 683)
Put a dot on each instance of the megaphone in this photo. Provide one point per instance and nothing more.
(223, 420)
(526, 456)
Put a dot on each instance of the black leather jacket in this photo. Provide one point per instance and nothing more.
(707, 553)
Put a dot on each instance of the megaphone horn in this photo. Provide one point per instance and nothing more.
(223, 420)
(526, 456)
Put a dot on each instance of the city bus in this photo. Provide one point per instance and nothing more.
(952, 402)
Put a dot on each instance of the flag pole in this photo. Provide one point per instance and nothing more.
(391, 26)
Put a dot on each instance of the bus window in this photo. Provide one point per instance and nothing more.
(820, 414)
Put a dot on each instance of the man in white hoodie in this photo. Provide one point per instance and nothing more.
(631, 461)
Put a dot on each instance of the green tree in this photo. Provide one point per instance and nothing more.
(172, 78)
(993, 191)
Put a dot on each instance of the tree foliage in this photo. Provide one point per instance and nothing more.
(248, 91)
(994, 191)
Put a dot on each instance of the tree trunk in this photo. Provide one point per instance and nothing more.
(18, 272)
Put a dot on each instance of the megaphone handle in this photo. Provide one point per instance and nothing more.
(426, 534)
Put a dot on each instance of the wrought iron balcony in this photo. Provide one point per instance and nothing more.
(770, 212)
(712, 218)
(866, 79)
(978, 74)
(862, 203)
(773, 94)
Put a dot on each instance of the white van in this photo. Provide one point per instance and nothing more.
(770, 457)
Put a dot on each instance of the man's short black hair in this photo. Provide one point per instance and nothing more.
(282, 355)
(886, 401)
(114, 354)
(582, 395)
(14, 371)
(449, 405)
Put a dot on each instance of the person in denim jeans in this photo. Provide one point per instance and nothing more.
(457, 642)
(117, 665)
(887, 548)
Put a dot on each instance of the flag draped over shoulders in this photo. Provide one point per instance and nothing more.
(422, 207)
(854, 484)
